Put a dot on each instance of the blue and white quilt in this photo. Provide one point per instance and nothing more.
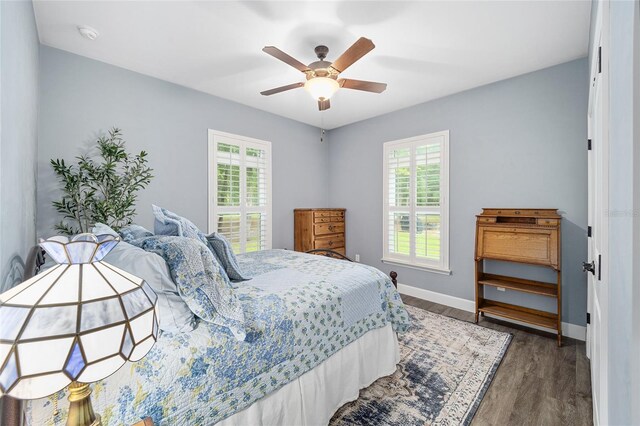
(299, 309)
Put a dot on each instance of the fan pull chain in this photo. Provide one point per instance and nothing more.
(322, 131)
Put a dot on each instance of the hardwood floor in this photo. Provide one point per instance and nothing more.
(537, 383)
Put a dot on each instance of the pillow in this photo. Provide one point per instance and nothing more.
(169, 223)
(224, 252)
(133, 232)
(201, 283)
(102, 229)
(174, 314)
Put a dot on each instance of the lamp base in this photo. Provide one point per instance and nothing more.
(80, 408)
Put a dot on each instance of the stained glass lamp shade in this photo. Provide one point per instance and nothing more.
(78, 321)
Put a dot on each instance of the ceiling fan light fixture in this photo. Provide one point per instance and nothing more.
(321, 88)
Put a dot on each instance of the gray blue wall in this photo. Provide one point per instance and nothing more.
(519, 142)
(516, 143)
(18, 123)
(81, 97)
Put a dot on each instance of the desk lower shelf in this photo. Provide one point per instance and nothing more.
(519, 313)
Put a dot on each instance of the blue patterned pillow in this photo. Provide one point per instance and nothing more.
(196, 272)
(223, 251)
(133, 232)
(169, 223)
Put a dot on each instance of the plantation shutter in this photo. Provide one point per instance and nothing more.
(241, 191)
(415, 204)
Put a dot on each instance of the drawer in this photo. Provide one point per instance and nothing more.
(548, 222)
(487, 220)
(328, 219)
(328, 228)
(341, 250)
(331, 242)
(329, 213)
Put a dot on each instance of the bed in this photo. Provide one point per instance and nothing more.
(318, 330)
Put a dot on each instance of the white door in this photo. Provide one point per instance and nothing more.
(597, 344)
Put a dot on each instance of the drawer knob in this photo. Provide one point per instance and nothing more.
(330, 243)
(330, 227)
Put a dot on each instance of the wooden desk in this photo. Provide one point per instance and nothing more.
(529, 236)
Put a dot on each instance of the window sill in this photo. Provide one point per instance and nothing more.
(431, 269)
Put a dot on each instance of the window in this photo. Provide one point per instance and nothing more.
(240, 190)
(416, 209)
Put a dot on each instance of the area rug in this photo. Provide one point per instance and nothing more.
(445, 369)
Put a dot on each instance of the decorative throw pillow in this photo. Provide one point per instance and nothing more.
(224, 252)
(169, 223)
(197, 275)
(133, 232)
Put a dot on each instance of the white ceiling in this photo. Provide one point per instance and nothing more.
(424, 50)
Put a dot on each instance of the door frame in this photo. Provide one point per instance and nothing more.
(600, 48)
(635, 373)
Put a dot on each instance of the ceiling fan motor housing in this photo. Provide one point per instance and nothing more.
(321, 69)
(321, 51)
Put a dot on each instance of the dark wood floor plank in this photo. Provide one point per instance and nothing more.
(537, 383)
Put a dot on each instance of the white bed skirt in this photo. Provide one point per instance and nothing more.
(314, 397)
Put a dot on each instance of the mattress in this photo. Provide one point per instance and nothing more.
(299, 311)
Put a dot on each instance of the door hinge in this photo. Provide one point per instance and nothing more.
(588, 231)
(589, 144)
(588, 318)
(599, 59)
(599, 267)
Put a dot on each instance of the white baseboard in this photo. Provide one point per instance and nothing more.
(441, 298)
(572, 331)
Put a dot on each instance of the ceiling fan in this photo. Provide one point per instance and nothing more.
(322, 76)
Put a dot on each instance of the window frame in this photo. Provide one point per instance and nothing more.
(215, 137)
(442, 266)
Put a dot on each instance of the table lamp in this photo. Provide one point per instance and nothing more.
(76, 323)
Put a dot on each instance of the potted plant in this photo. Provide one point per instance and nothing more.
(103, 189)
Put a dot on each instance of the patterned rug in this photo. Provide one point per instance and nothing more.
(445, 369)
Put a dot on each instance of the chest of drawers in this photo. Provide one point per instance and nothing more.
(319, 229)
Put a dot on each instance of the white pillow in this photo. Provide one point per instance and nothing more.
(174, 314)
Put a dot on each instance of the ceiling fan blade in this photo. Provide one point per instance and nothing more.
(281, 89)
(352, 54)
(279, 54)
(367, 86)
(324, 104)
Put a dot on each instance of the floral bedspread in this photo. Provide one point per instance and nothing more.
(299, 309)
